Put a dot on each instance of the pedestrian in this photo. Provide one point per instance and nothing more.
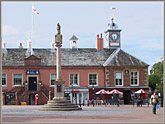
(88, 103)
(80, 103)
(154, 101)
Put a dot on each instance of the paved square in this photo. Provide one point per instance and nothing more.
(97, 114)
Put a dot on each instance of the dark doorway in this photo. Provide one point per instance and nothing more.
(126, 96)
(32, 84)
(32, 99)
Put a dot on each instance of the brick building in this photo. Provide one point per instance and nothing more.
(30, 71)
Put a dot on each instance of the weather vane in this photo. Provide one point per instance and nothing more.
(113, 9)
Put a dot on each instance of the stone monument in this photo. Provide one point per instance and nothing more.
(59, 103)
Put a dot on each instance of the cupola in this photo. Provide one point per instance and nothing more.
(29, 49)
(73, 41)
(112, 34)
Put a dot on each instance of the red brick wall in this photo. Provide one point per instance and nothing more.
(32, 62)
(44, 75)
(110, 75)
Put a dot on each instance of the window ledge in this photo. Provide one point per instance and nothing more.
(74, 85)
(119, 85)
(92, 85)
(18, 85)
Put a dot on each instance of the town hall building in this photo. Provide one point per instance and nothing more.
(30, 71)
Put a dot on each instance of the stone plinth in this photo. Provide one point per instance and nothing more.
(59, 105)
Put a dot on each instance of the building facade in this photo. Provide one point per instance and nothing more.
(29, 71)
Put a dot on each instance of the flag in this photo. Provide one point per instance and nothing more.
(34, 10)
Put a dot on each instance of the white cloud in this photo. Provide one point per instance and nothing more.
(8, 30)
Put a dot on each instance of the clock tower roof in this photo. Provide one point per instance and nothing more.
(112, 25)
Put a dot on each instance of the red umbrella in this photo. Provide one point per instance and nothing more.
(115, 92)
(141, 91)
(102, 92)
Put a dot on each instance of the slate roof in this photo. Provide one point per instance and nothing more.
(124, 59)
(71, 57)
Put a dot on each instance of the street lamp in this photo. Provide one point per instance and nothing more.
(93, 93)
(72, 93)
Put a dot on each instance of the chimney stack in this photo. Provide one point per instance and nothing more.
(30, 50)
(52, 47)
(20, 46)
(4, 47)
(99, 42)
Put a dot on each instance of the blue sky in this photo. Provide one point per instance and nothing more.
(141, 23)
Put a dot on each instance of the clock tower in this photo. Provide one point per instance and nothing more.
(112, 35)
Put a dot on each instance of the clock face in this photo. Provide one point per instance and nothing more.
(114, 36)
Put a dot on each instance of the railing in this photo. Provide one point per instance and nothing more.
(11, 96)
(45, 91)
(10, 99)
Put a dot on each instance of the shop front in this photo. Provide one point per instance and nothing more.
(77, 96)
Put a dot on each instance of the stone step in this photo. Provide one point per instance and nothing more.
(59, 103)
(55, 104)
(59, 109)
(56, 101)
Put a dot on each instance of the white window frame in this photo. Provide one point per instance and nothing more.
(77, 79)
(6, 80)
(137, 78)
(96, 79)
(21, 82)
(115, 78)
(50, 79)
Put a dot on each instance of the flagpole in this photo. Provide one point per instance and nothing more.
(32, 23)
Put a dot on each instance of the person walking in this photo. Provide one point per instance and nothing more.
(154, 101)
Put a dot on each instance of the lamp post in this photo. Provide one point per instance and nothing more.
(72, 93)
(93, 93)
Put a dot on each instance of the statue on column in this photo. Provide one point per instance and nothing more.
(58, 29)
(58, 36)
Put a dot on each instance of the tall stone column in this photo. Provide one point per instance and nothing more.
(59, 103)
(59, 84)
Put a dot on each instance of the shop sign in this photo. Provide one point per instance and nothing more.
(32, 72)
(74, 91)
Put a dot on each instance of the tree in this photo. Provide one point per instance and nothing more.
(156, 78)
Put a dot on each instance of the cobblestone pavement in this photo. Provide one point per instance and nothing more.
(96, 114)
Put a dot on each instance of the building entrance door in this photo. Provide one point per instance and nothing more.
(32, 99)
(126, 96)
(74, 98)
(32, 83)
